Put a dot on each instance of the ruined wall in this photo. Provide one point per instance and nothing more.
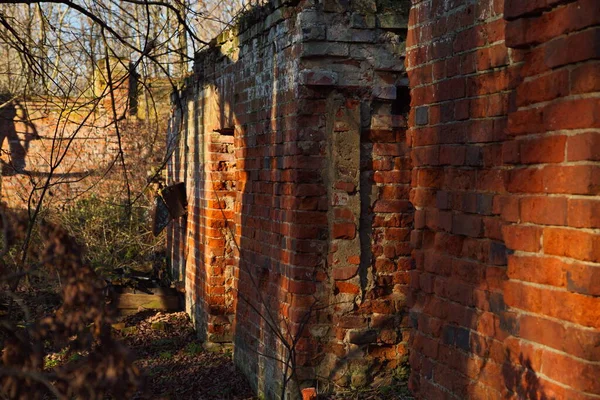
(505, 153)
(71, 144)
(322, 220)
(292, 147)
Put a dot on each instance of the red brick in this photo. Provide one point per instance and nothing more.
(584, 147)
(543, 270)
(452, 155)
(451, 244)
(511, 152)
(430, 177)
(492, 228)
(586, 78)
(579, 375)
(392, 206)
(439, 220)
(584, 213)
(392, 176)
(543, 88)
(348, 187)
(573, 114)
(522, 237)
(425, 345)
(492, 57)
(578, 179)
(561, 20)
(344, 214)
(570, 339)
(383, 164)
(491, 180)
(422, 156)
(532, 61)
(517, 8)
(492, 82)
(584, 279)
(476, 249)
(422, 197)
(467, 225)
(309, 394)
(344, 231)
(577, 47)
(307, 217)
(507, 207)
(346, 287)
(459, 179)
(398, 234)
(526, 180)
(299, 287)
(544, 210)
(380, 135)
(572, 243)
(524, 122)
(344, 273)
(389, 149)
(555, 303)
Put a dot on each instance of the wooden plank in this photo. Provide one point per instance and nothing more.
(135, 301)
(153, 291)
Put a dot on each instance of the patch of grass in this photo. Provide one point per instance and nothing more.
(51, 362)
(114, 235)
(55, 359)
(402, 372)
(163, 342)
(193, 349)
(386, 390)
(165, 355)
(74, 357)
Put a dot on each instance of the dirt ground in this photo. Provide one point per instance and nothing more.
(173, 362)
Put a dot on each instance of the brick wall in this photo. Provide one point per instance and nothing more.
(72, 144)
(292, 144)
(504, 131)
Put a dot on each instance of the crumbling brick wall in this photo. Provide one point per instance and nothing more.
(71, 145)
(505, 155)
(292, 145)
(323, 220)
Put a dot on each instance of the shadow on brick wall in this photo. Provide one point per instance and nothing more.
(17, 147)
(481, 326)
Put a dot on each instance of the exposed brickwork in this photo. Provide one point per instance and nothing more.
(36, 143)
(505, 181)
(299, 222)
(328, 210)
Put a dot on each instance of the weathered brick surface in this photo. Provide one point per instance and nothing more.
(503, 124)
(295, 157)
(327, 212)
(71, 145)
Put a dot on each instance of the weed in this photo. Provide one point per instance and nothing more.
(115, 236)
(163, 342)
(51, 362)
(193, 349)
(402, 372)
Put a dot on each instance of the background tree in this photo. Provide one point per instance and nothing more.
(76, 58)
